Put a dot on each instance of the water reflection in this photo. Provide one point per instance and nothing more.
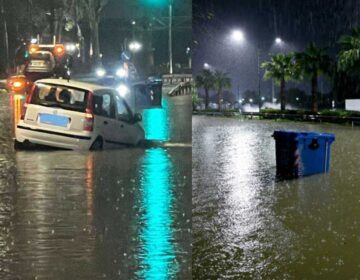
(156, 122)
(16, 104)
(158, 255)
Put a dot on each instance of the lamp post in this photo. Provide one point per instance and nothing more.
(278, 42)
(239, 37)
(170, 37)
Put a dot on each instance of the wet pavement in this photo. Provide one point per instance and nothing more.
(247, 225)
(114, 214)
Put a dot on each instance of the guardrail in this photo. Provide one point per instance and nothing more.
(300, 117)
(181, 89)
(176, 79)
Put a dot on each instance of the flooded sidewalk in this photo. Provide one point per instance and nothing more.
(247, 225)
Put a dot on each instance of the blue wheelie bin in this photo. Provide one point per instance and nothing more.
(302, 153)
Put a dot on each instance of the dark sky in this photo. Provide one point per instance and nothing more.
(296, 22)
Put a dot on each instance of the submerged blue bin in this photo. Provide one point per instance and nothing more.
(302, 153)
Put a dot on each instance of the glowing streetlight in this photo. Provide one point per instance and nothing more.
(278, 41)
(238, 36)
(206, 65)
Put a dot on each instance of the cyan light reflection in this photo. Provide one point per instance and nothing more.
(156, 122)
(158, 257)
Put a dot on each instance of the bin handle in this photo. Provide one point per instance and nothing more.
(314, 145)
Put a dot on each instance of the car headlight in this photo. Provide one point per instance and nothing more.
(123, 90)
(122, 73)
(100, 72)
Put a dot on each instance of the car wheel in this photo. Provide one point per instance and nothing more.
(97, 145)
(19, 145)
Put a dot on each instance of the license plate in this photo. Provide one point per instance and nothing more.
(54, 120)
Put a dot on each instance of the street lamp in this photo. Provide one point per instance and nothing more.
(238, 36)
(278, 41)
(162, 3)
(206, 65)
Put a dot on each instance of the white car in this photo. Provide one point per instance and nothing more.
(75, 115)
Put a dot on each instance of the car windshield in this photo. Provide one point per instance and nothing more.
(60, 96)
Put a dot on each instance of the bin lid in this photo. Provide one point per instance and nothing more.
(297, 135)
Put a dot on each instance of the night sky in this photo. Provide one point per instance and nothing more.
(296, 22)
(119, 14)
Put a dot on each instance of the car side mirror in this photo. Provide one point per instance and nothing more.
(137, 117)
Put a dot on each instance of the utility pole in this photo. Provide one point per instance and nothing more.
(6, 38)
(259, 78)
(170, 37)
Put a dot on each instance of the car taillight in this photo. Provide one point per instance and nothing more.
(59, 50)
(17, 84)
(33, 48)
(89, 116)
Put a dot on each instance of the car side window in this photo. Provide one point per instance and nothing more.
(122, 110)
(104, 105)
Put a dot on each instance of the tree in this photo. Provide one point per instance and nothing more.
(349, 56)
(206, 81)
(195, 98)
(281, 69)
(310, 64)
(221, 81)
(95, 8)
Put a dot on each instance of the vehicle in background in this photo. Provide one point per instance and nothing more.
(40, 62)
(113, 73)
(18, 84)
(44, 61)
(75, 115)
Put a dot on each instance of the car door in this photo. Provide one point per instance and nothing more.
(105, 116)
(129, 129)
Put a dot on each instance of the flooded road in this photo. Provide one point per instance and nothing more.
(115, 214)
(248, 226)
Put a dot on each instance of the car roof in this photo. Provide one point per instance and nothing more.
(73, 83)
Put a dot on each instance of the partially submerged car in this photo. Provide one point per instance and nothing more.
(76, 115)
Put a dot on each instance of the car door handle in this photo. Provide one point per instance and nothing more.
(105, 122)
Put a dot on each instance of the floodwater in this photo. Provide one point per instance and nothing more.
(247, 225)
(114, 214)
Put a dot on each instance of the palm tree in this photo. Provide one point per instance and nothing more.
(311, 64)
(221, 82)
(206, 81)
(281, 69)
(349, 56)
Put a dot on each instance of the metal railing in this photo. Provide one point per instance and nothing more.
(181, 89)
